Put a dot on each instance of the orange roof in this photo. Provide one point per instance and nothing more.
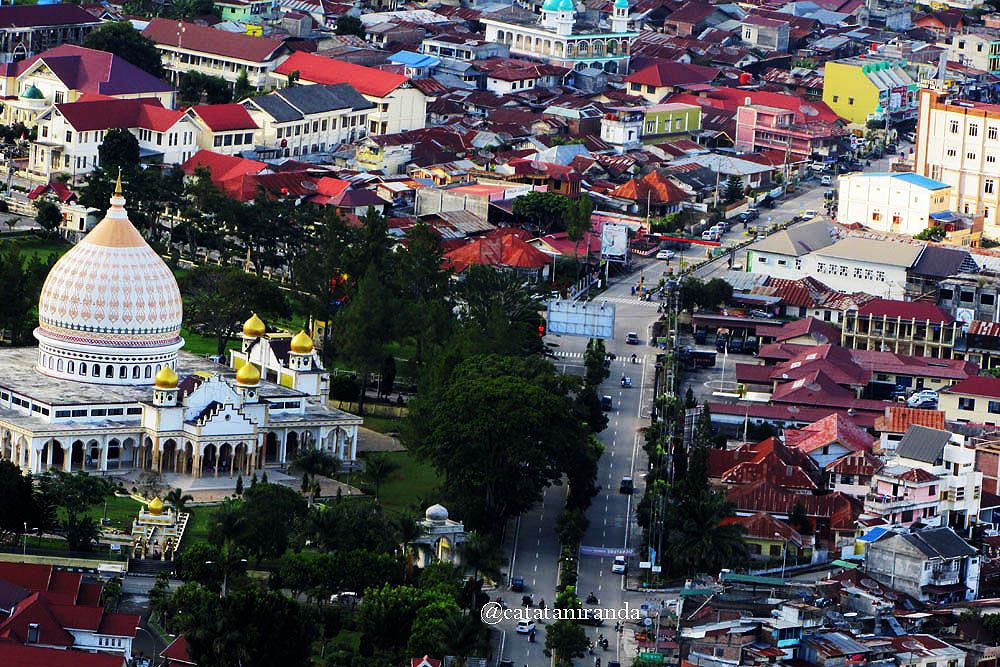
(505, 250)
(365, 80)
(763, 526)
(222, 167)
(897, 419)
(654, 187)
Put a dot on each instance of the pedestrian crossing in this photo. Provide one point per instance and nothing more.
(631, 300)
(567, 355)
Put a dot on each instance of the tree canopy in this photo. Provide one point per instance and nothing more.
(126, 42)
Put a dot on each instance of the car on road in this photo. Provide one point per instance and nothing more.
(666, 254)
(619, 566)
(626, 381)
(517, 585)
(627, 486)
(606, 403)
(925, 398)
(632, 338)
(810, 213)
(525, 627)
(826, 179)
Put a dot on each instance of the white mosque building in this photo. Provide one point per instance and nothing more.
(563, 36)
(108, 388)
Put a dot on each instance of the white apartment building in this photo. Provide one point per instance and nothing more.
(70, 135)
(975, 49)
(188, 47)
(887, 202)
(303, 120)
(398, 106)
(958, 143)
(944, 454)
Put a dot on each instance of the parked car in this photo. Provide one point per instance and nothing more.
(627, 486)
(925, 398)
(826, 179)
(762, 314)
(666, 254)
(632, 338)
(720, 342)
(810, 213)
(517, 585)
(525, 627)
(620, 566)
(606, 403)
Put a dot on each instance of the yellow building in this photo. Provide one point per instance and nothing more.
(862, 89)
(975, 400)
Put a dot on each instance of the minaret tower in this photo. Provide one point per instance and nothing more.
(619, 16)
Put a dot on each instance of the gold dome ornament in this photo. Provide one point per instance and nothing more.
(248, 375)
(155, 507)
(302, 343)
(165, 378)
(254, 327)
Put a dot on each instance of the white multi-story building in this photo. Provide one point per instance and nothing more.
(189, 47)
(887, 202)
(958, 143)
(303, 120)
(70, 135)
(560, 37)
(399, 106)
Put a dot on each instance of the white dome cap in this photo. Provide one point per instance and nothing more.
(110, 299)
(436, 513)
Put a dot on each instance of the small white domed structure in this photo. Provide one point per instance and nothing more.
(110, 309)
(436, 513)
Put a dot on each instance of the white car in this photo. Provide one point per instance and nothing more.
(619, 566)
(666, 254)
(525, 627)
(922, 398)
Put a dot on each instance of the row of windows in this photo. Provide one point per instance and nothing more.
(98, 412)
(25, 403)
(56, 363)
(992, 132)
(234, 139)
(966, 296)
(965, 403)
(971, 155)
(318, 126)
(844, 270)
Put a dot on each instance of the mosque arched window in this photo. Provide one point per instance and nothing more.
(135, 372)
(123, 372)
(71, 367)
(59, 365)
(83, 368)
(109, 372)
(149, 371)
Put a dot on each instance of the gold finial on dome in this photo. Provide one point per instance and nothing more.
(155, 506)
(248, 375)
(302, 343)
(165, 378)
(118, 183)
(254, 327)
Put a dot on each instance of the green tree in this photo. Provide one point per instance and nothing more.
(571, 524)
(566, 641)
(239, 485)
(498, 314)
(425, 290)
(48, 216)
(517, 434)
(217, 299)
(350, 25)
(387, 375)
(365, 327)
(734, 189)
(178, 499)
(578, 224)
(111, 594)
(270, 513)
(545, 211)
(378, 468)
(17, 501)
(933, 233)
(481, 553)
(119, 150)
(159, 597)
(314, 461)
(597, 366)
(196, 88)
(242, 88)
(127, 43)
(81, 532)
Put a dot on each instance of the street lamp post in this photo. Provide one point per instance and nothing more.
(25, 538)
(152, 643)
(784, 551)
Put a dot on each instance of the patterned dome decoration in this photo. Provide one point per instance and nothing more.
(109, 299)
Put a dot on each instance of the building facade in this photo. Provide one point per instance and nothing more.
(932, 565)
(26, 30)
(760, 127)
(861, 89)
(887, 202)
(903, 327)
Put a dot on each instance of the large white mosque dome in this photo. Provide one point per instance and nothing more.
(110, 309)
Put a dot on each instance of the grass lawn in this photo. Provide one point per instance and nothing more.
(33, 246)
(197, 528)
(410, 485)
(382, 424)
(199, 344)
(121, 511)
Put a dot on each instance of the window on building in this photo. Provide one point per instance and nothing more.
(650, 89)
(951, 152)
(880, 276)
(971, 155)
(989, 186)
(953, 127)
(987, 299)
(973, 130)
(994, 407)
(836, 98)
(966, 403)
(850, 101)
(876, 215)
(218, 141)
(991, 133)
(991, 159)
(965, 296)
(762, 260)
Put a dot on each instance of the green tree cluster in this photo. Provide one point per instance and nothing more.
(123, 40)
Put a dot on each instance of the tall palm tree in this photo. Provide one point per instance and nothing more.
(409, 531)
(228, 523)
(178, 499)
(701, 542)
(482, 554)
(378, 468)
(316, 462)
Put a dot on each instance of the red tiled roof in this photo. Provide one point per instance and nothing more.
(178, 651)
(13, 654)
(194, 37)
(919, 310)
(918, 475)
(223, 117)
(654, 187)
(365, 80)
(768, 459)
(222, 167)
(121, 625)
(60, 190)
(145, 113)
(506, 250)
(826, 431)
(807, 292)
(27, 16)
(33, 611)
(667, 73)
(898, 418)
(731, 99)
(857, 463)
(764, 526)
(877, 361)
(836, 362)
(840, 509)
(95, 72)
(818, 330)
(978, 385)
(692, 11)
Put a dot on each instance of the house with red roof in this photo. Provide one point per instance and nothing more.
(399, 106)
(503, 250)
(808, 331)
(974, 400)
(70, 134)
(829, 440)
(897, 419)
(769, 538)
(916, 328)
(176, 654)
(40, 605)
(68, 73)
(28, 29)
(224, 170)
(190, 47)
(223, 128)
(13, 654)
(663, 77)
(653, 194)
(769, 460)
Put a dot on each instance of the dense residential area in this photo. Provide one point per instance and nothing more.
(500, 333)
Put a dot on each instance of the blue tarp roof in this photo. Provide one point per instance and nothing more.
(411, 59)
(873, 534)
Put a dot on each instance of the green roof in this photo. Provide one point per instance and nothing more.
(752, 579)
(32, 93)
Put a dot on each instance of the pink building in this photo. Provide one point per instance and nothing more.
(760, 127)
(902, 495)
